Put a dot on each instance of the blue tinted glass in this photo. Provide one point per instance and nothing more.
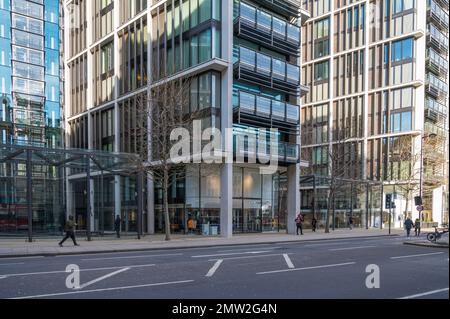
(5, 23)
(5, 80)
(406, 121)
(52, 88)
(53, 115)
(407, 49)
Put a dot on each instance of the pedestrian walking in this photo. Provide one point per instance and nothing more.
(314, 224)
(408, 226)
(417, 227)
(350, 222)
(299, 222)
(117, 224)
(69, 228)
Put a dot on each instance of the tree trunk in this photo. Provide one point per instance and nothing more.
(406, 207)
(327, 220)
(166, 203)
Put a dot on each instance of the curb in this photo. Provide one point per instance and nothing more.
(181, 247)
(430, 245)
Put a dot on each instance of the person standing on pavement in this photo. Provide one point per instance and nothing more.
(299, 222)
(314, 224)
(350, 222)
(117, 223)
(70, 232)
(408, 226)
(417, 227)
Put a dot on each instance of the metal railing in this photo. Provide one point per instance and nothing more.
(266, 65)
(270, 108)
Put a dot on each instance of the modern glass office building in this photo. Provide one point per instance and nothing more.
(30, 108)
(242, 59)
(378, 77)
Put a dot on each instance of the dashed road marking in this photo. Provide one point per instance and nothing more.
(419, 255)
(213, 270)
(425, 294)
(306, 268)
(288, 261)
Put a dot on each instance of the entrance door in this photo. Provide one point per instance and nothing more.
(238, 220)
(252, 215)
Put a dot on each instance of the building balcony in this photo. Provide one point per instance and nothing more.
(262, 69)
(443, 3)
(437, 64)
(258, 26)
(287, 8)
(258, 109)
(437, 16)
(437, 40)
(435, 111)
(436, 87)
(287, 153)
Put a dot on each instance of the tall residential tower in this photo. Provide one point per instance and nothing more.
(242, 59)
(377, 110)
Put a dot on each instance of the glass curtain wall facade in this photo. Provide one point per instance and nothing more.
(30, 109)
(119, 48)
(378, 82)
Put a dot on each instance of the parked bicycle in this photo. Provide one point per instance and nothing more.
(434, 237)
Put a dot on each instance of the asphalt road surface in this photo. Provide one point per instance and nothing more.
(338, 269)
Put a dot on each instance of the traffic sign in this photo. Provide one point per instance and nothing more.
(419, 208)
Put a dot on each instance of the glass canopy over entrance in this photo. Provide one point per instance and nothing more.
(40, 187)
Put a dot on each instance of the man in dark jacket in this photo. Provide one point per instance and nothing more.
(408, 226)
(299, 222)
(417, 227)
(70, 231)
(117, 223)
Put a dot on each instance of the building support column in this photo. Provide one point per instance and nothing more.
(226, 201)
(29, 168)
(88, 199)
(140, 200)
(293, 197)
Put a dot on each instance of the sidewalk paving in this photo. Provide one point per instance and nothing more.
(19, 247)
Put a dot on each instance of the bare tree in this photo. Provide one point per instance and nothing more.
(341, 157)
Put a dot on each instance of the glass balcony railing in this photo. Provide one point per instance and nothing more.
(437, 14)
(435, 107)
(287, 8)
(247, 143)
(437, 86)
(265, 107)
(268, 71)
(437, 63)
(273, 27)
(437, 38)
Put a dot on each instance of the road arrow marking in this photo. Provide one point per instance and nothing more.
(103, 278)
(288, 261)
(216, 266)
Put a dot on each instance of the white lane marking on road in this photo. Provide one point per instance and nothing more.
(213, 270)
(129, 257)
(90, 283)
(233, 250)
(81, 270)
(18, 258)
(288, 261)
(306, 268)
(12, 264)
(248, 257)
(419, 255)
(425, 294)
(231, 254)
(104, 289)
(351, 248)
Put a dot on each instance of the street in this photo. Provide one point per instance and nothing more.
(313, 269)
